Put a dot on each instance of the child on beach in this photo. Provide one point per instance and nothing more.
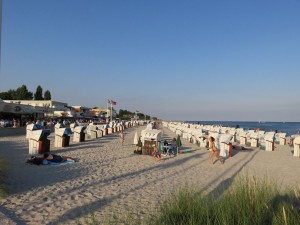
(214, 150)
(156, 153)
(121, 135)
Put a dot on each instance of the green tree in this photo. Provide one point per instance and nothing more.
(5, 95)
(125, 114)
(121, 113)
(38, 93)
(47, 95)
(21, 93)
(141, 115)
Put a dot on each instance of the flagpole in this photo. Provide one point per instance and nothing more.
(111, 112)
(107, 111)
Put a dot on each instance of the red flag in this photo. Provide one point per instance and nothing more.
(113, 102)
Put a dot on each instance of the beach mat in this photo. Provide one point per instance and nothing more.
(58, 163)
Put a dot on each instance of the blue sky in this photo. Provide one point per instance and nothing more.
(183, 60)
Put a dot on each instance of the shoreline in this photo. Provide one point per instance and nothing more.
(252, 125)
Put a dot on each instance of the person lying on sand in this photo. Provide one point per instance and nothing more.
(58, 158)
(47, 158)
(236, 147)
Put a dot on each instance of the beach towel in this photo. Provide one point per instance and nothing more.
(39, 161)
(57, 163)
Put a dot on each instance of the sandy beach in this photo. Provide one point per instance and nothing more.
(110, 179)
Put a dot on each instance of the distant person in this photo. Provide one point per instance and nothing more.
(121, 135)
(166, 143)
(153, 126)
(43, 124)
(214, 151)
(173, 143)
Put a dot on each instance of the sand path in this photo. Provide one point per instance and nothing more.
(110, 179)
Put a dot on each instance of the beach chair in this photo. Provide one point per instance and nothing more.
(254, 140)
(269, 141)
(243, 138)
(282, 138)
(297, 146)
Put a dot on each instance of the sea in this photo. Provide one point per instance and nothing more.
(286, 127)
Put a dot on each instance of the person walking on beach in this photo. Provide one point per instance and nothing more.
(121, 135)
(214, 150)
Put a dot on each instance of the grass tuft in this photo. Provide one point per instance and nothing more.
(249, 201)
(3, 166)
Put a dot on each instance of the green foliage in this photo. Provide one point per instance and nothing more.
(38, 93)
(3, 166)
(21, 93)
(141, 115)
(178, 142)
(5, 95)
(47, 95)
(247, 202)
(123, 112)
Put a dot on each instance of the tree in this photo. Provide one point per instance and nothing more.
(38, 93)
(125, 114)
(21, 93)
(47, 95)
(5, 95)
(121, 113)
(141, 115)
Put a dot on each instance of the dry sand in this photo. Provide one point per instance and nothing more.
(111, 179)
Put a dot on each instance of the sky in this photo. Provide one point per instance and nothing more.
(220, 60)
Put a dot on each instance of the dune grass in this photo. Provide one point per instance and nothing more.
(248, 201)
(3, 165)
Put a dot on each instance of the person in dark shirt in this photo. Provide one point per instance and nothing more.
(166, 143)
(57, 158)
